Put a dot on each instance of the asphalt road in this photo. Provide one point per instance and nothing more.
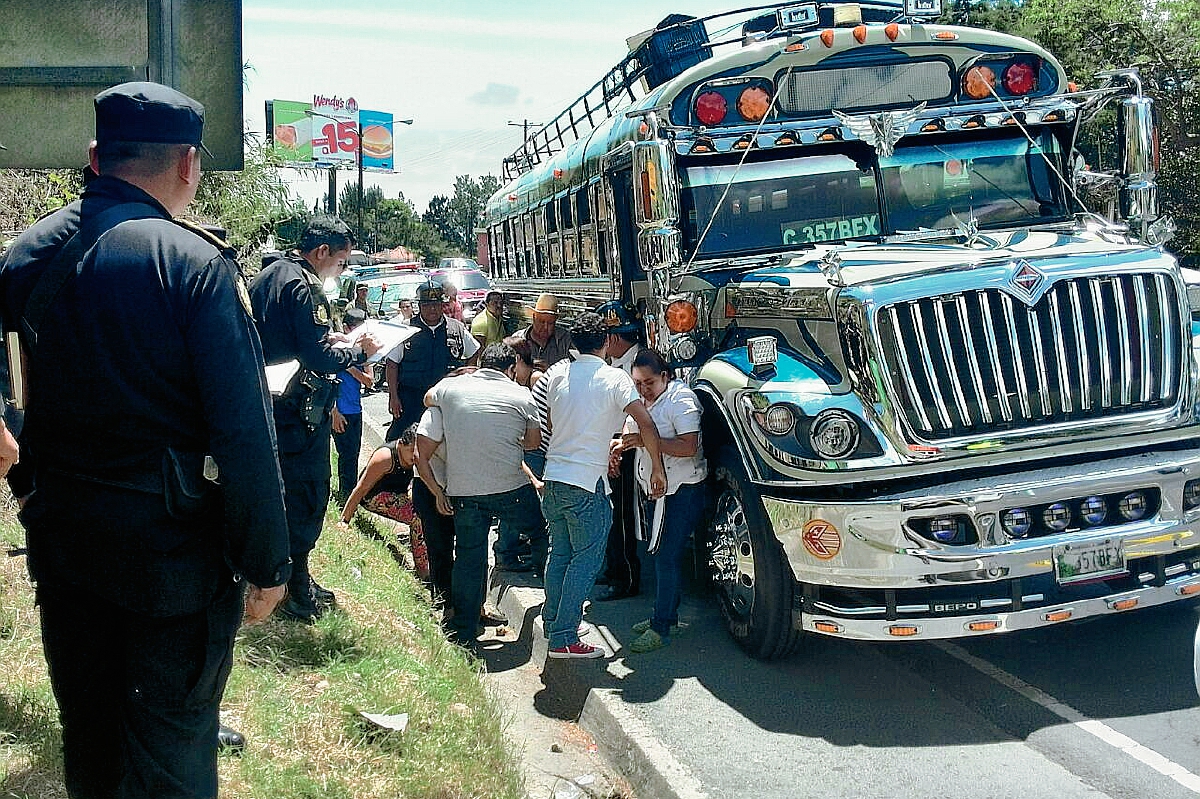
(1105, 708)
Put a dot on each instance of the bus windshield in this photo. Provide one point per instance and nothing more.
(996, 182)
(779, 205)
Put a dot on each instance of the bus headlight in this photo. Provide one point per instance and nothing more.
(834, 434)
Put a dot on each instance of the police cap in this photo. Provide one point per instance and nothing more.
(618, 318)
(142, 111)
(431, 292)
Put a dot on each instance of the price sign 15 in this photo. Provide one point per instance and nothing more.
(338, 138)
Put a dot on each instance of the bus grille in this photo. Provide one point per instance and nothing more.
(973, 363)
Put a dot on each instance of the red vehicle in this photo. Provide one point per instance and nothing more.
(472, 284)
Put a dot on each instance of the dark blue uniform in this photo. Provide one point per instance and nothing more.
(293, 319)
(133, 551)
(429, 356)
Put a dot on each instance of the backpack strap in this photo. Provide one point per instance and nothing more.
(67, 260)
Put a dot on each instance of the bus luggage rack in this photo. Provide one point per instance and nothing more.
(678, 42)
(611, 93)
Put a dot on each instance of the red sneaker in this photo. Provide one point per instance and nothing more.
(576, 650)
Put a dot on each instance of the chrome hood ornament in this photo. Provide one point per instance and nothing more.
(881, 131)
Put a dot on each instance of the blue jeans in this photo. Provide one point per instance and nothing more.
(579, 522)
(472, 519)
(348, 444)
(508, 541)
(680, 517)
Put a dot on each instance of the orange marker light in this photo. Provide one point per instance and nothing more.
(982, 626)
(558, 173)
(892, 30)
(945, 36)
(827, 38)
(1123, 604)
(1057, 615)
(795, 47)
(827, 627)
(753, 103)
(860, 33)
(979, 82)
(1189, 590)
(681, 316)
(903, 630)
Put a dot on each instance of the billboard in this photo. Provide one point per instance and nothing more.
(324, 133)
(289, 131)
(377, 150)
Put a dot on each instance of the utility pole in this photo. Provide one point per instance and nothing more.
(524, 124)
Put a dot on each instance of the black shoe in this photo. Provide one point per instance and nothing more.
(323, 597)
(230, 740)
(612, 594)
(300, 611)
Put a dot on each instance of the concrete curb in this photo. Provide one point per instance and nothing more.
(624, 740)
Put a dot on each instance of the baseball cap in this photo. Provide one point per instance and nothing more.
(430, 292)
(618, 318)
(142, 111)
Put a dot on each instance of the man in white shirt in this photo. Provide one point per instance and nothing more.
(488, 423)
(588, 402)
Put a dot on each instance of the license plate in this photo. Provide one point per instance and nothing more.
(1088, 560)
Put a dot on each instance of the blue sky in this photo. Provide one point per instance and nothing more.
(461, 70)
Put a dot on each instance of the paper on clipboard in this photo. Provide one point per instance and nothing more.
(390, 335)
(280, 374)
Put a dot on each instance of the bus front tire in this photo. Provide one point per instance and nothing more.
(754, 584)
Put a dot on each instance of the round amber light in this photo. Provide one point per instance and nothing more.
(753, 103)
(681, 317)
(979, 82)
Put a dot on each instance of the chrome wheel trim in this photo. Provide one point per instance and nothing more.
(731, 554)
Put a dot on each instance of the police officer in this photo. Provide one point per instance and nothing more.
(622, 568)
(139, 544)
(294, 319)
(440, 345)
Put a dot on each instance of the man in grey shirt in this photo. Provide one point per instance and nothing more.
(488, 423)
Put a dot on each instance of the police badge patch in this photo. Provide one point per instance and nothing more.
(454, 343)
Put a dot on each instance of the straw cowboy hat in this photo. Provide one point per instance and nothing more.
(547, 304)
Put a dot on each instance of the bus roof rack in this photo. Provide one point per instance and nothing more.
(677, 43)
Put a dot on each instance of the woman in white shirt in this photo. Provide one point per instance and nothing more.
(676, 411)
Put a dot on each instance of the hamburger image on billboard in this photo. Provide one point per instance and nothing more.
(377, 141)
(377, 148)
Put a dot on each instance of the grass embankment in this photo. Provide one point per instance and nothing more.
(296, 691)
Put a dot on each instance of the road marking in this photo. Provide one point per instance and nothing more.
(1099, 729)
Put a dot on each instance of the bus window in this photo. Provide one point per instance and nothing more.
(582, 211)
(551, 221)
(530, 245)
(564, 212)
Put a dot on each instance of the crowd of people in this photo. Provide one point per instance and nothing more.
(163, 513)
(551, 435)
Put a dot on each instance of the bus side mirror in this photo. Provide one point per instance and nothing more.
(656, 196)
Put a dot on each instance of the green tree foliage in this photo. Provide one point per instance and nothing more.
(27, 194)
(250, 204)
(470, 197)
(1161, 39)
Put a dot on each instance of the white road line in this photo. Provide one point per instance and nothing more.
(1099, 729)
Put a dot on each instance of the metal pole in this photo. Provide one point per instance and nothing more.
(331, 201)
(360, 187)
